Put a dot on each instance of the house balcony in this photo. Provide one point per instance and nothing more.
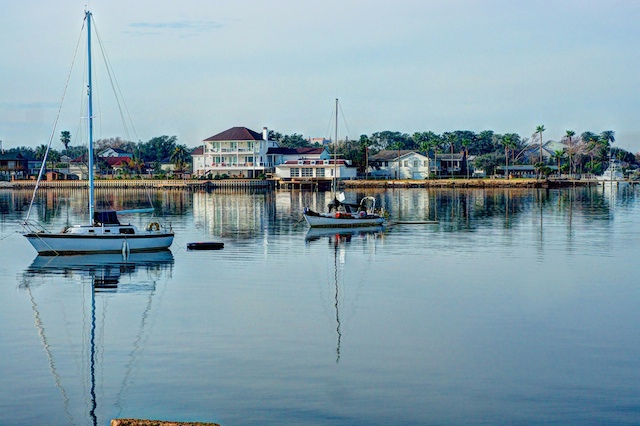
(238, 166)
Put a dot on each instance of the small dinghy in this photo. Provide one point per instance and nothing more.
(209, 245)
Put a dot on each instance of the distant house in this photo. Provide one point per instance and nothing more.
(13, 165)
(452, 164)
(238, 152)
(114, 153)
(399, 164)
(284, 154)
(322, 169)
(531, 153)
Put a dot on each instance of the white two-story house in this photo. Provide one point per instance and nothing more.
(236, 152)
(403, 164)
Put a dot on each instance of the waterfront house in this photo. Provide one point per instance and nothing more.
(400, 164)
(318, 169)
(236, 152)
(13, 165)
(452, 164)
(531, 153)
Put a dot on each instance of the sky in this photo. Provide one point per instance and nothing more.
(196, 68)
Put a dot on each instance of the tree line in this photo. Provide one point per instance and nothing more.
(145, 155)
(587, 152)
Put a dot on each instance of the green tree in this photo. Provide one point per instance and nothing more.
(509, 143)
(65, 138)
(569, 135)
(539, 130)
(179, 156)
(558, 155)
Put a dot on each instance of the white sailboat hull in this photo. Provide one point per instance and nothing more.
(64, 243)
(343, 221)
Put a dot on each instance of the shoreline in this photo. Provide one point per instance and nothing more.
(311, 185)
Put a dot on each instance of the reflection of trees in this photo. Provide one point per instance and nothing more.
(469, 209)
(251, 214)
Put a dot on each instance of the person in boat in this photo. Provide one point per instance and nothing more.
(349, 208)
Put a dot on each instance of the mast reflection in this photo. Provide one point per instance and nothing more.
(106, 274)
(337, 239)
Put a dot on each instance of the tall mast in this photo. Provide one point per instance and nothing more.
(335, 156)
(90, 117)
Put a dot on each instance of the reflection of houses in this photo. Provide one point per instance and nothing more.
(236, 152)
(402, 164)
(14, 166)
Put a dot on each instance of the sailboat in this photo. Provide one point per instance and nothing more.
(103, 232)
(341, 214)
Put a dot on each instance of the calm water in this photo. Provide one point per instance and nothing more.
(520, 306)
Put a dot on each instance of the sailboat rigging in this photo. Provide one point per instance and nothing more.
(341, 214)
(103, 233)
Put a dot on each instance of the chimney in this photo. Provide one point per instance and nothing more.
(265, 134)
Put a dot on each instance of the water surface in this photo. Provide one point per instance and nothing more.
(519, 306)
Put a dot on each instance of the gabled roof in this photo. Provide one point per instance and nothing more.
(116, 161)
(296, 151)
(391, 154)
(121, 152)
(236, 134)
(12, 156)
(450, 157)
(198, 151)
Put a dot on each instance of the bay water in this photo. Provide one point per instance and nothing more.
(517, 306)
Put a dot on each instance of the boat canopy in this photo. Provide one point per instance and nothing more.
(106, 218)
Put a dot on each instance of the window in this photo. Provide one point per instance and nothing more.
(415, 163)
(406, 163)
(295, 172)
(307, 172)
(320, 172)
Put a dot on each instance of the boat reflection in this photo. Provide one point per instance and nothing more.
(106, 270)
(339, 239)
(101, 274)
(344, 234)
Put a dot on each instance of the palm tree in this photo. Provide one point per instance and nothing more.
(570, 134)
(608, 136)
(539, 130)
(41, 151)
(558, 155)
(65, 138)
(509, 143)
(465, 144)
